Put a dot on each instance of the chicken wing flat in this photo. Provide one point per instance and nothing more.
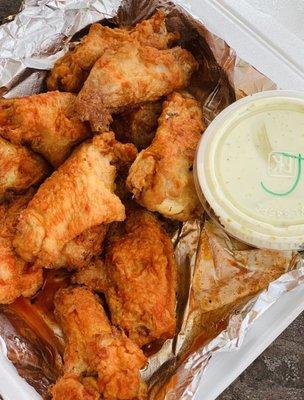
(79, 252)
(139, 279)
(161, 177)
(17, 278)
(98, 359)
(131, 75)
(20, 168)
(70, 71)
(46, 122)
(76, 197)
(138, 126)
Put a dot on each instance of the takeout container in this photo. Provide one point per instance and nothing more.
(248, 169)
(244, 30)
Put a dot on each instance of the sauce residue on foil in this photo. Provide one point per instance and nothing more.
(33, 338)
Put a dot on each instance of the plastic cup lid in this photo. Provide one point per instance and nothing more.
(250, 169)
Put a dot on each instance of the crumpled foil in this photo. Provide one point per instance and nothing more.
(223, 284)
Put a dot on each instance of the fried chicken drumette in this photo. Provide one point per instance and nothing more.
(46, 122)
(76, 197)
(161, 177)
(98, 359)
(131, 75)
(138, 279)
(70, 71)
(138, 125)
(20, 168)
(17, 277)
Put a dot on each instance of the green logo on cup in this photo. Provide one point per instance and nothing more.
(283, 165)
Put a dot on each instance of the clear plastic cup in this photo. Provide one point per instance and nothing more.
(249, 169)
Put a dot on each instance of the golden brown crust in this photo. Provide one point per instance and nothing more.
(81, 318)
(76, 197)
(138, 125)
(109, 361)
(139, 279)
(78, 253)
(70, 71)
(20, 168)
(94, 276)
(70, 387)
(142, 275)
(46, 122)
(131, 75)
(17, 278)
(161, 177)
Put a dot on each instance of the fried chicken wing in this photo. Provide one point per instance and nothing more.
(46, 122)
(98, 359)
(161, 177)
(17, 278)
(20, 168)
(70, 71)
(131, 75)
(138, 279)
(76, 197)
(78, 253)
(138, 126)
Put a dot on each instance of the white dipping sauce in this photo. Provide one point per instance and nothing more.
(250, 169)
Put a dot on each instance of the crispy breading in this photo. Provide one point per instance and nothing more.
(70, 71)
(94, 276)
(131, 75)
(20, 168)
(107, 359)
(46, 122)
(17, 278)
(78, 253)
(139, 279)
(71, 387)
(76, 197)
(138, 126)
(161, 177)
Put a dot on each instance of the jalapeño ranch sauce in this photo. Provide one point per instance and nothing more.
(250, 169)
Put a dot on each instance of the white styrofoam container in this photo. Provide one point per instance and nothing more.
(262, 32)
(269, 35)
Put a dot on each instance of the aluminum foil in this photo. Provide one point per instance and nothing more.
(223, 284)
